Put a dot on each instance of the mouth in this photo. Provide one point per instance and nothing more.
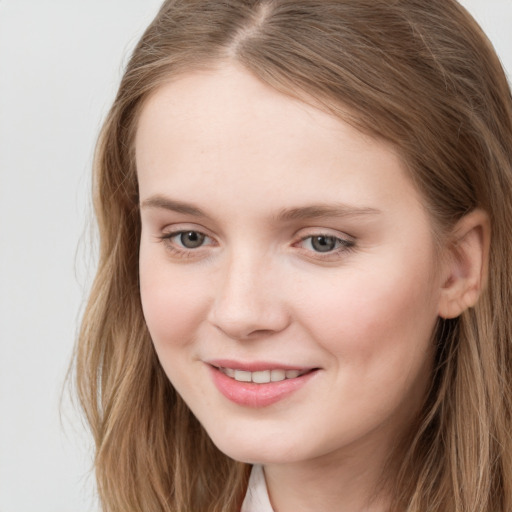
(263, 376)
(259, 384)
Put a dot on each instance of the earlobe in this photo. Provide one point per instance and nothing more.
(465, 267)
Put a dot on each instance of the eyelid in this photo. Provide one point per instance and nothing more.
(346, 243)
(169, 232)
(175, 234)
(320, 231)
(174, 229)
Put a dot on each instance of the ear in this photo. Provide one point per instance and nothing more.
(465, 264)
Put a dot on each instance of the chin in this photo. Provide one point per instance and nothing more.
(261, 448)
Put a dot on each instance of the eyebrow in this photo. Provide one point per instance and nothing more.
(314, 211)
(318, 211)
(167, 203)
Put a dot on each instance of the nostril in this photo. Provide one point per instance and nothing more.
(241, 333)
(249, 323)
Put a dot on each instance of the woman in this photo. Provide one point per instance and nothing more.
(304, 210)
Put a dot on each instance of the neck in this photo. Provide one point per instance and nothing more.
(341, 482)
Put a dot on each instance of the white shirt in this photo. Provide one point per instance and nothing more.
(256, 498)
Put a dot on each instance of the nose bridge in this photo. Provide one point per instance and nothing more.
(248, 300)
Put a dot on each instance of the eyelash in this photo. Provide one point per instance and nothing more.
(167, 239)
(343, 245)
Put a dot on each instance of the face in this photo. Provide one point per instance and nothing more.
(287, 270)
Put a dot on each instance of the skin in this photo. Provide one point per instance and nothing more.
(257, 289)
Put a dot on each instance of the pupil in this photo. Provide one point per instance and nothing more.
(191, 239)
(323, 243)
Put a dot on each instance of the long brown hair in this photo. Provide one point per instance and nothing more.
(418, 73)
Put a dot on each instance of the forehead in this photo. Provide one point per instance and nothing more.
(225, 132)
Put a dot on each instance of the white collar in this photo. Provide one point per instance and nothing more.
(256, 498)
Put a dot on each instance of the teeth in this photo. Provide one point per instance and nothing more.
(242, 376)
(277, 375)
(229, 372)
(261, 377)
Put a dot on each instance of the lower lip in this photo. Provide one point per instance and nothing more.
(254, 395)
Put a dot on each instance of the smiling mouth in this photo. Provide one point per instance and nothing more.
(263, 376)
(258, 384)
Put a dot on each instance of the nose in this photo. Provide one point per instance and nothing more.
(250, 299)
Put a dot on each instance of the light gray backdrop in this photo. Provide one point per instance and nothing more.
(60, 62)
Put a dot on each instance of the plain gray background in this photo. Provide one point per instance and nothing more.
(60, 63)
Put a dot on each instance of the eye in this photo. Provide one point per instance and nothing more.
(325, 244)
(186, 242)
(190, 239)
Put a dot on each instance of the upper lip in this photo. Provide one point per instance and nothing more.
(255, 366)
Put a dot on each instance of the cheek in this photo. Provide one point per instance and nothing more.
(377, 331)
(369, 317)
(172, 303)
